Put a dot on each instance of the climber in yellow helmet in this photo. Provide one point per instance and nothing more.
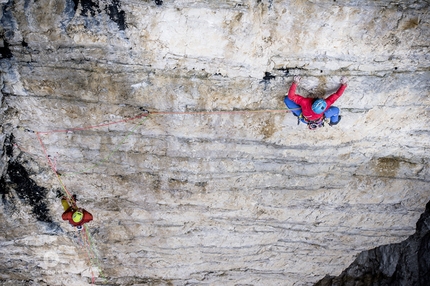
(76, 216)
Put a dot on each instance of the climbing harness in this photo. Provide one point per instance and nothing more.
(312, 124)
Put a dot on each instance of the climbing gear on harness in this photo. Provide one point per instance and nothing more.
(335, 123)
(79, 227)
(77, 216)
(312, 125)
(319, 106)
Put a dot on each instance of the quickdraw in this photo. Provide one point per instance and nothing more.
(312, 125)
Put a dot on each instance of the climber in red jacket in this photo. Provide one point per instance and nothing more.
(313, 111)
(76, 216)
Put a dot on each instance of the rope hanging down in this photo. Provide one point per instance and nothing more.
(91, 254)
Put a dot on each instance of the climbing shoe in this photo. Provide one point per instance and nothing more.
(335, 123)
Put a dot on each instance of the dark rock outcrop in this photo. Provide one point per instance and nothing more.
(405, 263)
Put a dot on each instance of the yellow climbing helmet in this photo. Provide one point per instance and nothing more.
(77, 216)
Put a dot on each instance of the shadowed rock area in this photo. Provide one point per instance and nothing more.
(217, 185)
(405, 263)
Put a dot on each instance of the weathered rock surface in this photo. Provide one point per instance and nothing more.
(237, 198)
(405, 263)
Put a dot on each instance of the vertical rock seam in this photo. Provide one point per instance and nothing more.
(16, 180)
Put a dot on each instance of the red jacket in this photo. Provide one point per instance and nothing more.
(67, 215)
(306, 103)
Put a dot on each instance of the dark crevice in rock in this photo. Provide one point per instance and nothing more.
(5, 51)
(91, 8)
(8, 145)
(28, 191)
(17, 178)
(267, 78)
(88, 7)
(116, 14)
(128, 281)
(286, 71)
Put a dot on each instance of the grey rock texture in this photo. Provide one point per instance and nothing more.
(238, 198)
(405, 263)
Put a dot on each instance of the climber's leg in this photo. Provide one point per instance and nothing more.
(333, 114)
(294, 107)
(65, 204)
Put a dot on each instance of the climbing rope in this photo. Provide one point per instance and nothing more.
(69, 196)
(94, 126)
(88, 253)
(145, 115)
(93, 250)
(222, 111)
(106, 159)
(87, 240)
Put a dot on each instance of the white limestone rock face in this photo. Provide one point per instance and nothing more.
(214, 198)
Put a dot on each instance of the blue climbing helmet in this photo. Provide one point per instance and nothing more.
(319, 106)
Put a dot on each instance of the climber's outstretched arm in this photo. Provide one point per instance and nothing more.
(292, 92)
(335, 96)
